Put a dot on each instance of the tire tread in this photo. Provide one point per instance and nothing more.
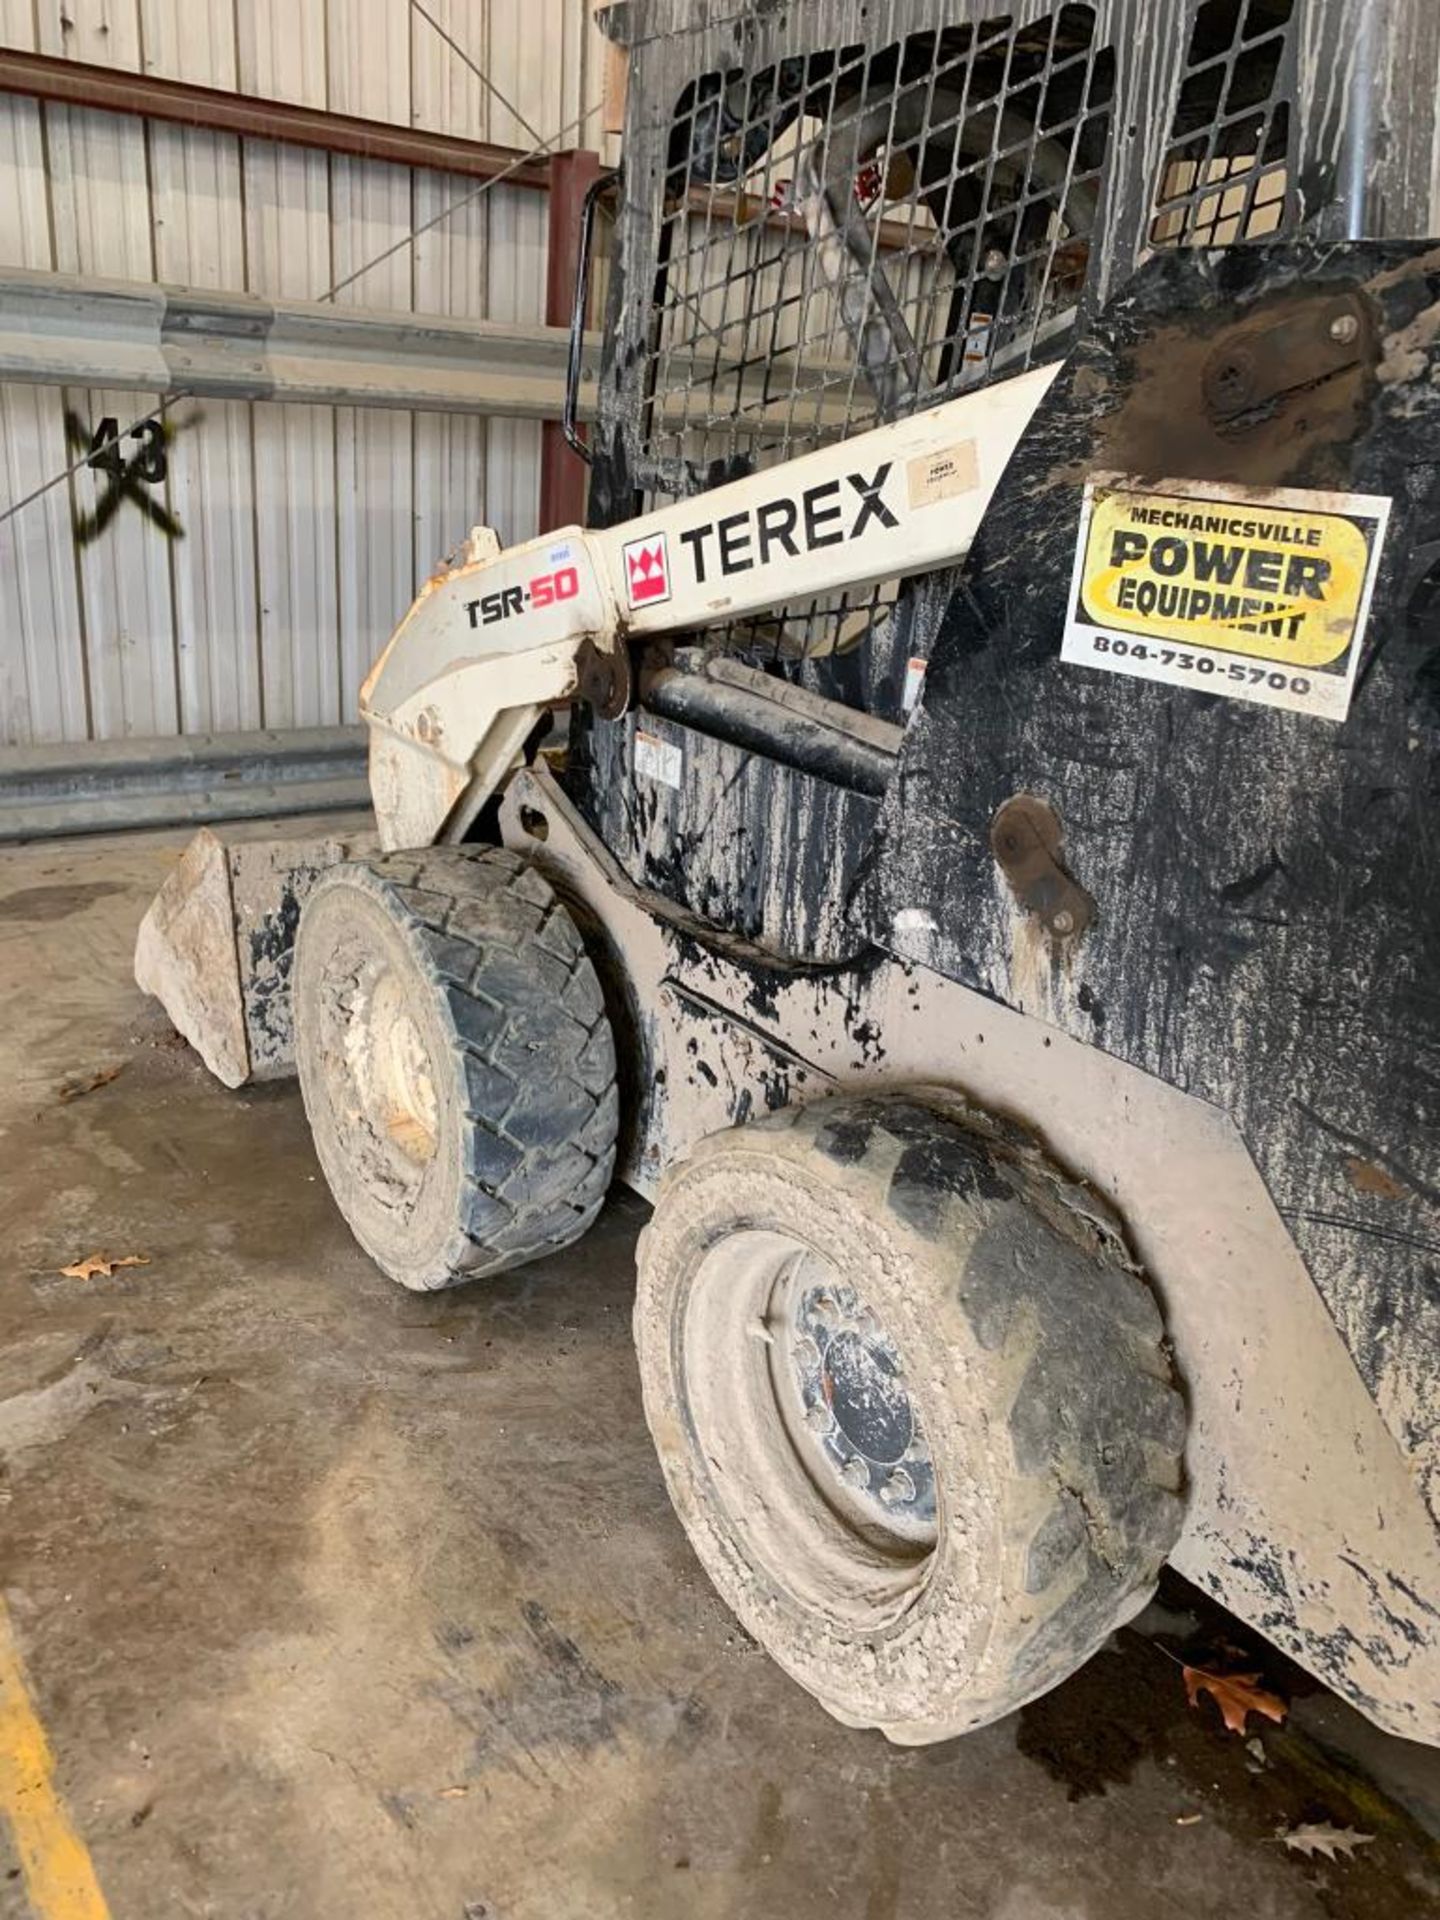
(507, 965)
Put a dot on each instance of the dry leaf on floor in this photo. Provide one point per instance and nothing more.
(1320, 1837)
(1236, 1694)
(105, 1264)
(73, 1089)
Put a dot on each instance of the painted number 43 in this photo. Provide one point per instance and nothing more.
(147, 464)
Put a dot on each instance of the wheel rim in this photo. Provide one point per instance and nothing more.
(379, 1080)
(805, 1429)
(843, 1392)
(391, 1067)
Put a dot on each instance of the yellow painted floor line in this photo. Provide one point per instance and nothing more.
(58, 1873)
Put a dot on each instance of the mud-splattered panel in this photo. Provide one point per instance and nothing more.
(1266, 883)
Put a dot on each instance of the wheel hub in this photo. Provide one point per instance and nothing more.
(857, 1428)
(391, 1069)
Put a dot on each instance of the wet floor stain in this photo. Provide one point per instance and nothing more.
(1125, 1709)
(39, 904)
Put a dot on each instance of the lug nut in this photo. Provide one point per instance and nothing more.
(855, 1473)
(1343, 328)
(807, 1354)
(818, 1418)
(898, 1490)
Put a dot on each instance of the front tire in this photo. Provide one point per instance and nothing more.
(912, 1403)
(455, 1060)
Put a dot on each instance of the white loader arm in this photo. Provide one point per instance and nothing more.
(494, 640)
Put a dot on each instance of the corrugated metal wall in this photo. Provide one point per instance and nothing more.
(305, 529)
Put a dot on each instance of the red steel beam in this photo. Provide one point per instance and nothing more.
(108, 89)
(564, 477)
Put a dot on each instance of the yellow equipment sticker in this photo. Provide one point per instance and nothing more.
(1258, 593)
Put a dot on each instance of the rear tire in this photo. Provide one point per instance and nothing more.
(456, 1062)
(913, 1405)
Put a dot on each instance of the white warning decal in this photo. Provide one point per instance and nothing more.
(914, 684)
(932, 477)
(1261, 594)
(658, 759)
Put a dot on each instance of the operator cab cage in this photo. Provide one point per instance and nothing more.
(993, 174)
(834, 212)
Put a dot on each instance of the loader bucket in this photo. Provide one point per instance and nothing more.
(216, 943)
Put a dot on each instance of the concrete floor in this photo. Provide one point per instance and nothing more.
(343, 1604)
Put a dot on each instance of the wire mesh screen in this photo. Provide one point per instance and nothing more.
(1226, 172)
(849, 235)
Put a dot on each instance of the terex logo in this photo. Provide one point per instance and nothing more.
(647, 570)
(817, 519)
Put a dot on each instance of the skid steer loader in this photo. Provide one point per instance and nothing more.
(989, 899)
